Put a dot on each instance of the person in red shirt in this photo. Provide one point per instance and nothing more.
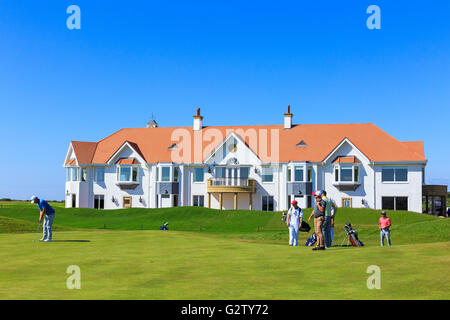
(384, 224)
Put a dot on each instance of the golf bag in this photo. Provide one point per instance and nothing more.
(352, 235)
(164, 226)
(311, 241)
(284, 217)
(305, 227)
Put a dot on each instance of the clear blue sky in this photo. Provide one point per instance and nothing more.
(242, 62)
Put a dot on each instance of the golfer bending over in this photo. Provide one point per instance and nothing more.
(49, 212)
(319, 213)
(294, 221)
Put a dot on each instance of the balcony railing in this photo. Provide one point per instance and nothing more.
(231, 185)
(229, 182)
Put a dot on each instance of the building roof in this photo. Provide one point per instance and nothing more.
(351, 159)
(320, 139)
(127, 161)
(84, 151)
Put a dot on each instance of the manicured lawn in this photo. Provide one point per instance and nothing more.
(228, 259)
(180, 265)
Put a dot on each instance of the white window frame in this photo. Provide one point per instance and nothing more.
(161, 174)
(340, 166)
(69, 176)
(95, 174)
(193, 174)
(302, 169)
(132, 167)
(262, 174)
(394, 181)
(198, 200)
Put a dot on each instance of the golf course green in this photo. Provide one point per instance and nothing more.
(212, 254)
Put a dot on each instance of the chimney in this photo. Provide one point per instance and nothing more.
(198, 121)
(288, 118)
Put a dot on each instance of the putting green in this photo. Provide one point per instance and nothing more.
(187, 265)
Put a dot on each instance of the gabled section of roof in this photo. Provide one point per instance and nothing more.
(127, 144)
(84, 151)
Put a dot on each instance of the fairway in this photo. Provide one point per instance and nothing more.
(220, 263)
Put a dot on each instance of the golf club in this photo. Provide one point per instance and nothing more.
(35, 235)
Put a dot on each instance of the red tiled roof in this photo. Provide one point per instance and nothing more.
(127, 161)
(153, 143)
(84, 151)
(71, 162)
(351, 159)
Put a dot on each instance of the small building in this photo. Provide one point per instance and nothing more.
(435, 199)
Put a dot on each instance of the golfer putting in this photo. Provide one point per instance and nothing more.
(47, 213)
(293, 222)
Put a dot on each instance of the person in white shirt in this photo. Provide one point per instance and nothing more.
(294, 222)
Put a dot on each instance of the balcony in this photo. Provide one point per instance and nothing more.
(231, 185)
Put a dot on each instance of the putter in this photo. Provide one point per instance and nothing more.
(35, 235)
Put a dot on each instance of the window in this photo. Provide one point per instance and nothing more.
(198, 174)
(83, 174)
(127, 174)
(394, 175)
(165, 174)
(198, 201)
(309, 174)
(267, 203)
(135, 174)
(74, 174)
(176, 174)
(99, 175)
(99, 201)
(394, 203)
(289, 172)
(267, 174)
(220, 172)
(346, 173)
(298, 174)
(244, 172)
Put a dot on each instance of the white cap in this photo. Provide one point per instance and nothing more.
(33, 198)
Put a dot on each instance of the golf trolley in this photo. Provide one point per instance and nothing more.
(351, 236)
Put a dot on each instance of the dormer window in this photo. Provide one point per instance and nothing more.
(127, 170)
(127, 173)
(346, 173)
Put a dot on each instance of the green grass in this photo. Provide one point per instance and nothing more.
(228, 259)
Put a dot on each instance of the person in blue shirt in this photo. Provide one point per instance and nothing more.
(48, 213)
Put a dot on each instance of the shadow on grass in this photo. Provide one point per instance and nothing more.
(71, 240)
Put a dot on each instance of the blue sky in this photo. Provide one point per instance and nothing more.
(241, 62)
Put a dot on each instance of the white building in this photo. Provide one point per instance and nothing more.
(246, 167)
